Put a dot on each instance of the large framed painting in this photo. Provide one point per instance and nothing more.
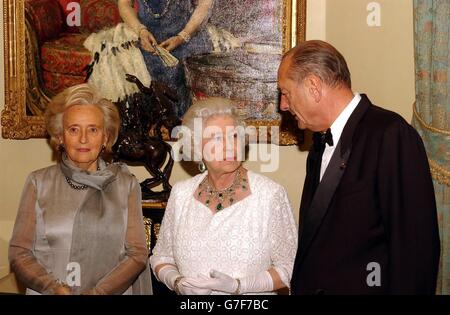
(44, 54)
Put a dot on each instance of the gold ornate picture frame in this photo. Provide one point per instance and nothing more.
(21, 82)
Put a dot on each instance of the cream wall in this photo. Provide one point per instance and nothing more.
(381, 61)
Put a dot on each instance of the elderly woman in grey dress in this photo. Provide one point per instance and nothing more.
(79, 226)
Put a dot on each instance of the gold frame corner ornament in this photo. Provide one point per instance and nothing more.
(15, 122)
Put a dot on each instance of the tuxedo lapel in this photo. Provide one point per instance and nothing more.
(322, 198)
(319, 206)
(309, 186)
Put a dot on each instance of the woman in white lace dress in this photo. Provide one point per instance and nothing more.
(227, 230)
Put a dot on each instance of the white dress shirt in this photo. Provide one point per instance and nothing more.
(336, 130)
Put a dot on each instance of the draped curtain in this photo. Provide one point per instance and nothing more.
(432, 111)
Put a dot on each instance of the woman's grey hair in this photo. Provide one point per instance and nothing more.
(81, 94)
(202, 110)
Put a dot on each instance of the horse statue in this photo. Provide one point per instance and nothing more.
(142, 113)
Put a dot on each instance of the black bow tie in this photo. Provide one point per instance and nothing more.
(320, 138)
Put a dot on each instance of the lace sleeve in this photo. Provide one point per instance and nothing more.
(163, 251)
(283, 236)
(123, 275)
(22, 260)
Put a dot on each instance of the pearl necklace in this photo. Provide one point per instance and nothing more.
(156, 15)
(78, 187)
(222, 195)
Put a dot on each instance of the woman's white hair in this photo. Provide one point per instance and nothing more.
(198, 113)
(209, 107)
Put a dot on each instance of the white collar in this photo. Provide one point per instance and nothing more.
(338, 125)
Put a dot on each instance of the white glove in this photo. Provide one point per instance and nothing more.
(261, 282)
(218, 282)
(168, 274)
(185, 288)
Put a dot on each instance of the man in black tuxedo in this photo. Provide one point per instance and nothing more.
(368, 220)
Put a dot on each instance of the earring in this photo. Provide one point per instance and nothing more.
(202, 167)
(103, 148)
(61, 147)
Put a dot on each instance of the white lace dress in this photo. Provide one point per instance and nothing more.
(255, 234)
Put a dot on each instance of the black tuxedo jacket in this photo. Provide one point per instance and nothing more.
(371, 225)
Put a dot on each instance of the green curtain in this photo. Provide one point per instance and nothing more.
(432, 110)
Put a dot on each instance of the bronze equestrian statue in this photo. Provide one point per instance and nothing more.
(140, 139)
